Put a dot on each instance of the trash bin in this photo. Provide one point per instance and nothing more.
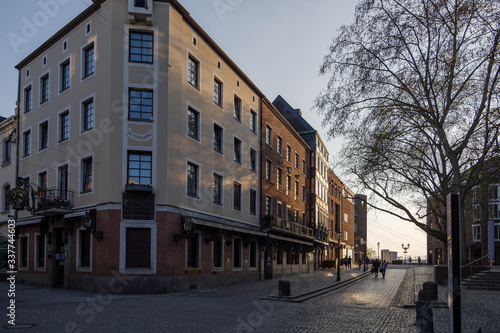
(284, 287)
(430, 291)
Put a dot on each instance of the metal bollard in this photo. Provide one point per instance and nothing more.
(427, 320)
(419, 305)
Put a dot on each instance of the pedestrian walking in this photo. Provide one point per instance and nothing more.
(349, 262)
(367, 262)
(346, 263)
(359, 264)
(419, 261)
(383, 268)
(375, 267)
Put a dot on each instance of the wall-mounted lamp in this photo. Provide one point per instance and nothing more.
(89, 223)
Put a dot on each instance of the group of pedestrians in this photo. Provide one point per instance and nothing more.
(377, 266)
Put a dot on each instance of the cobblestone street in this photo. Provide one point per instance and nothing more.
(369, 305)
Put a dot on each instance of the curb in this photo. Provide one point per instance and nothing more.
(315, 293)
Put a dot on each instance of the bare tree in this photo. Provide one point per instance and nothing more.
(414, 92)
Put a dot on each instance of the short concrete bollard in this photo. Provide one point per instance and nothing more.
(427, 320)
(284, 287)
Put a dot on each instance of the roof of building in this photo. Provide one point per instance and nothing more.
(2, 119)
(174, 3)
(293, 116)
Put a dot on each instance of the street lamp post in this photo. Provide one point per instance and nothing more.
(338, 256)
(405, 249)
(378, 250)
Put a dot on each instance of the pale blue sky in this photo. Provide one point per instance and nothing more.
(279, 45)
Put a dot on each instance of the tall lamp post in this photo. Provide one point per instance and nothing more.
(378, 250)
(405, 250)
(338, 256)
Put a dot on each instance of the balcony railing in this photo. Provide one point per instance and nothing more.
(53, 198)
(286, 225)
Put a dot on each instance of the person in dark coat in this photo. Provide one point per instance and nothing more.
(376, 266)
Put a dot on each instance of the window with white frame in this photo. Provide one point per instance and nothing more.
(44, 88)
(279, 183)
(193, 71)
(139, 168)
(86, 171)
(218, 138)
(193, 251)
(40, 246)
(494, 210)
(253, 121)
(65, 75)
(27, 143)
(141, 47)
(88, 61)
(269, 205)
(476, 233)
(253, 202)
(64, 126)
(279, 145)
(7, 151)
(269, 170)
(84, 250)
(193, 123)
(253, 160)
(27, 99)
(217, 254)
(138, 247)
(237, 253)
(289, 153)
(494, 190)
(192, 179)
(237, 196)
(269, 136)
(140, 104)
(237, 150)
(476, 212)
(88, 115)
(237, 108)
(43, 131)
(217, 189)
(217, 92)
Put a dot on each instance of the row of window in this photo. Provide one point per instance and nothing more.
(193, 131)
(193, 189)
(493, 211)
(279, 149)
(87, 121)
(493, 193)
(476, 232)
(88, 68)
(282, 211)
(193, 78)
(138, 251)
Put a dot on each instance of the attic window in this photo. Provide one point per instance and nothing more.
(140, 3)
(44, 61)
(218, 64)
(65, 46)
(237, 83)
(194, 40)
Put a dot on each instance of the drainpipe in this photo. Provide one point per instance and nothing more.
(18, 125)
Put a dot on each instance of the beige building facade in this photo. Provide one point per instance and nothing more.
(140, 138)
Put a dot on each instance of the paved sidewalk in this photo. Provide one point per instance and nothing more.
(368, 305)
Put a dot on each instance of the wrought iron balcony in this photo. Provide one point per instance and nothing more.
(288, 226)
(52, 201)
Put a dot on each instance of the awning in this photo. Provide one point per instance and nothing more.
(293, 240)
(29, 220)
(228, 227)
(71, 215)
